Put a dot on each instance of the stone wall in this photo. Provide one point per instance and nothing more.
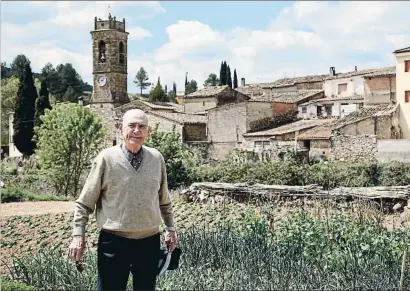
(202, 147)
(106, 112)
(353, 148)
(310, 86)
(193, 105)
(164, 124)
(194, 132)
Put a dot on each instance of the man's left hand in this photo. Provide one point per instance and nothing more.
(171, 240)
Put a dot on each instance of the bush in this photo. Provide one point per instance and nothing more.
(327, 174)
(9, 285)
(19, 195)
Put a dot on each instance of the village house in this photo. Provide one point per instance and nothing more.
(281, 138)
(210, 97)
(228, 123)
(359, 132)
(346, 92)
(403, 88)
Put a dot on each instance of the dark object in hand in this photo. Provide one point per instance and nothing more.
(79, 266)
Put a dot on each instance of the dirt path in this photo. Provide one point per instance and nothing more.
(35, 208)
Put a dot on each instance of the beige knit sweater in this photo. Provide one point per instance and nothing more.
(127, 202)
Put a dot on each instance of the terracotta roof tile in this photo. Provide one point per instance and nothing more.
(403, 50)
(290, 127)
(288, 97)
(325, 131)
(181, 118)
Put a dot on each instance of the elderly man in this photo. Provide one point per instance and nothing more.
(127, 186)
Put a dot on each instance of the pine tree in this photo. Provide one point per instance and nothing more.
(174, 88)
(235, 79)
(24, 113)
(42, 103)
(228, 77)
(166, 89)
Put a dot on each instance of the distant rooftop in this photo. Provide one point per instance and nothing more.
(207, 91)
(365, 72)
(181, 118)
(290, 127)
(403, 50)
(288, 97)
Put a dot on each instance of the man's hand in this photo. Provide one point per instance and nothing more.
(171, 240)
(76, 248)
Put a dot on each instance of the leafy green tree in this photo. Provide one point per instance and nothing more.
(179, 160)
(51, 77)
(157, 94)
(9, 88)
(42, 103)
(24, 113)
(69, 137)
(70, 95)
(18, 65)
(5, 71)
(191, 87)
(141, 79)
(212, 80)
(228, 77)
(235, 79)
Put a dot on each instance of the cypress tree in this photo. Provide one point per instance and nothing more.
(235, 79)
(186, 82)
(24, 113)
(228, 77)
(42, 103)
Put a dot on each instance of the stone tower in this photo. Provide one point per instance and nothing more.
(109, 40)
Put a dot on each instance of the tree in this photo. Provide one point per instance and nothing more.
(5, 71)
(50, 76)
(191, 87)
(211, 81)
(69, 137)
(174, 88)
(223, 73)
(179, 160)
(70, 95)
(141, 79)
(42, 103)
(166, 89)
(9, 89)
(228, 77)
(157, 93)
(24, 113)
(235, 79)
(18, 65)
(186, 83)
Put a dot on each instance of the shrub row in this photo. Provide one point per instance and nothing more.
(327, 174)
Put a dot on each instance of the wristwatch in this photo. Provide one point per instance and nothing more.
(173, 229)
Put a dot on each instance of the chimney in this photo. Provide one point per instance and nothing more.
(243, 82)
(332, 71)
(355, 68)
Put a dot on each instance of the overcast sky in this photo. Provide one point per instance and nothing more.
(262, 40)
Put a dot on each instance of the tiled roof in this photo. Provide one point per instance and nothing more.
(180, 118)
(359, 73)
(390, 71)
(207, 91)
(403, 50)
(330, 99)
(284, 82)
(288, 97)
(325, 131)
(290, 127)
(139, 103)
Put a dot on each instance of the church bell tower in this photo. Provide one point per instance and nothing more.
(109, 40)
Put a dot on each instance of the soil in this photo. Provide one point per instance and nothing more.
(35, 208)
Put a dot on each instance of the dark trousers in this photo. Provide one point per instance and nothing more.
(118, 256)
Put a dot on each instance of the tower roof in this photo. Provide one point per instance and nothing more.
(110, 23)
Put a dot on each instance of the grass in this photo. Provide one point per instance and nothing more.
(19, 195)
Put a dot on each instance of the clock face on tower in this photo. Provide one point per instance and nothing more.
(101, 80)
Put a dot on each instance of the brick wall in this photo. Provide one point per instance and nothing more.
(380, 90)
(279, 107)
(194, 132)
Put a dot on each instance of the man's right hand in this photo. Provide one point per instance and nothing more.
(76, 248)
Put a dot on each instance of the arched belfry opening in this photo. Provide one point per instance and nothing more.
(101, 52)
(121, 51)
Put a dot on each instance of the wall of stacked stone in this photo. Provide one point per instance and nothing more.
(350, 148)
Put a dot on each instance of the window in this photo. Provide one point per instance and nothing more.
(121, 50)
(407, 66)
(341, 88)
(407, 96)
(304, 109)
(101, 51)
(262, 144)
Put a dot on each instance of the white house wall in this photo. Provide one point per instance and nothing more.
(355, 86)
